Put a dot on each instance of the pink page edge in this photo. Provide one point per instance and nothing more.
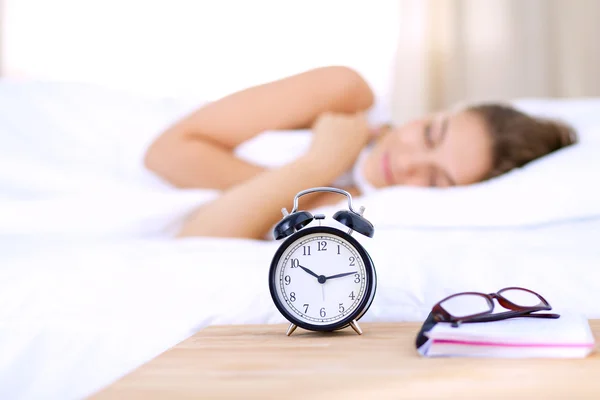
(504, 344)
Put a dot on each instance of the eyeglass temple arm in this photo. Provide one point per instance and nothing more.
(510, 314)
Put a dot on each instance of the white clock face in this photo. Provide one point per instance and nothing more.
(320, 279)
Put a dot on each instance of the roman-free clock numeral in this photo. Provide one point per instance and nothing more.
(352, 297)
(352, 259)
(322, 312)
(322, 246)
(356, 278)
(305, 308)
(287, 279)
(293, 296)
(306, 250)
(295, 262)
(342, 307)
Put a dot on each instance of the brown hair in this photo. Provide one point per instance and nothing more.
(519, 138)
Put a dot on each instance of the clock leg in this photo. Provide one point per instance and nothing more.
(291, 329)
(355, 326)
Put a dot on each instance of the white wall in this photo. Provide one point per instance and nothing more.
(208, 47)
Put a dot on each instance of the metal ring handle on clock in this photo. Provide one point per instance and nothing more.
(296, 220)
(325, 189)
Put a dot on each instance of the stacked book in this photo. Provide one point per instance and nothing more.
(569, 336)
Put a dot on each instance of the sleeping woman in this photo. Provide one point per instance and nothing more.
(458, 147)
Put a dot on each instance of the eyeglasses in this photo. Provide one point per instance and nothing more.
(471, 307)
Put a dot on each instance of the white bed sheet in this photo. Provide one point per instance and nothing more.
(76, 315)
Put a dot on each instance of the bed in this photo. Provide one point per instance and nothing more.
(92, 286)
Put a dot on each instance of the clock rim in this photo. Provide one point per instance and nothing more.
(363, 306)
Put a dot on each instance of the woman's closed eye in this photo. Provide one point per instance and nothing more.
(428, 135)
(433, 136)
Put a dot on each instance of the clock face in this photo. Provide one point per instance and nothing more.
(322, 278)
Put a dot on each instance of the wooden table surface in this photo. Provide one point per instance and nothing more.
(259, 361)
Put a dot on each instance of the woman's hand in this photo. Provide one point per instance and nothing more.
(338, 140)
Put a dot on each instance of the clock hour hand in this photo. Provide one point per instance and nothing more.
(341, 275)
(309, 271)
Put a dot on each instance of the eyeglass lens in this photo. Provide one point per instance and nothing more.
(520, 297)
(465, 305)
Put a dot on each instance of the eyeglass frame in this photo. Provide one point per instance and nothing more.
(442, 315)
(439, 314)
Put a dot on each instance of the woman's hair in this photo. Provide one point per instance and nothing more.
(519, 138)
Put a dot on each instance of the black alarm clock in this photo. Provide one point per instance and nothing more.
(321, 278)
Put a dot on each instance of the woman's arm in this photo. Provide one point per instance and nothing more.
(198, 150)
(250, 209)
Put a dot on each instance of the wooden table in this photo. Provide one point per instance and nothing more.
(259, 361)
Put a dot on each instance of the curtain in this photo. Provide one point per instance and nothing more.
(456, 51)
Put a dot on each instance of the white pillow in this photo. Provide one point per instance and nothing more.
(562, 186)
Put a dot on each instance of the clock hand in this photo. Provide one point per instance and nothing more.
(341, 275)
(320, 278)
(309, 271)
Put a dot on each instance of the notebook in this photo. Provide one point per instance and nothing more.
(569, 336)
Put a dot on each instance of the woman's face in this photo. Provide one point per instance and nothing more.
(439, 151)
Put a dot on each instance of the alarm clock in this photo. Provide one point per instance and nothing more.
(321, 278)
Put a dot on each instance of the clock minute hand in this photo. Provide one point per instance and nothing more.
(341, 275)
(309, 271)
